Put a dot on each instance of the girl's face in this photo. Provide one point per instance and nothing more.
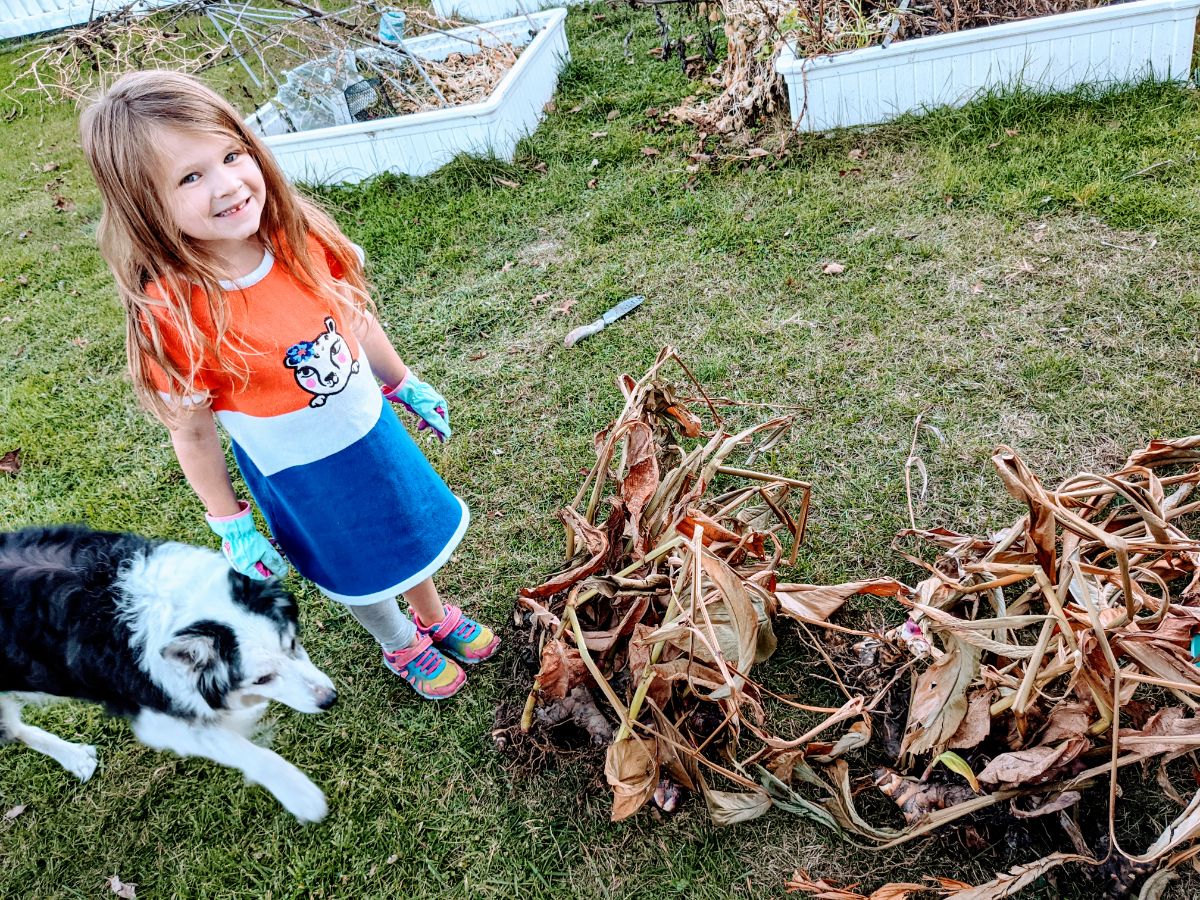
(215, 189)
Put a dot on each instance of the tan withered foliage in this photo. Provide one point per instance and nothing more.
(664, 605)
(757, 30)
(1033, 666)
(1051, 655)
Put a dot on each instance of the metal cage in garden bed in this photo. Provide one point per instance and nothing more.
(421, 142)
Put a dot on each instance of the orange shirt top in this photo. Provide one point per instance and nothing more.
(309, 390)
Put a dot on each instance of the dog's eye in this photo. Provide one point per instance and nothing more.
(265, 679)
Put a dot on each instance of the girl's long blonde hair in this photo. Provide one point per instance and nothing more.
(144, 247)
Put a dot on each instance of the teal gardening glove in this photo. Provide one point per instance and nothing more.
(247, 550)
(424, 402)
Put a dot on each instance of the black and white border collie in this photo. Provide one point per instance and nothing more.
(164, 634)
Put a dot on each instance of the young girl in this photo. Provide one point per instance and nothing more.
(245, 303)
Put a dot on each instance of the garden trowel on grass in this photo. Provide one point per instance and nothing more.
(583, 331)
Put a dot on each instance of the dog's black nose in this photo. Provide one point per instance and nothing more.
(326, 699)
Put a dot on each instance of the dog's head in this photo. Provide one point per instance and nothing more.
(248, 652)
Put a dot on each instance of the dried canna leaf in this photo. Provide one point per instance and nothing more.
(562, 669)
(640, 482)
(597, 545)
(1017, 878)
(1032, 766)
(939, 700)
(976, 725)
(820, 888)
(631, 769)
(731, 807)
(816, 603)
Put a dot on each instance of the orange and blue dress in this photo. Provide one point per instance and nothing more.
(349, 497)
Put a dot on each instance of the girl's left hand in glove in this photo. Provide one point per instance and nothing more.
(424, 402)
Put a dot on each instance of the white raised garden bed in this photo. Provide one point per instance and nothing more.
(419, 143)
(489, 10)
(1114, 44)
(22, 17)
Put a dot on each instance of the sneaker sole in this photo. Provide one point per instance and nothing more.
(464, 660)
(458, 686)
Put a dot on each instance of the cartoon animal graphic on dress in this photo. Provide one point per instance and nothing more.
(322, 366)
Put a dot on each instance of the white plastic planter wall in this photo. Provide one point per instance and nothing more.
(1115, 44)
(22, 17)
(419, 143)
(490, 10)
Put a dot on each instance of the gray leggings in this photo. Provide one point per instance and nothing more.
(386, 623)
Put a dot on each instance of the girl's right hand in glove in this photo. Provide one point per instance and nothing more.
(247, 550)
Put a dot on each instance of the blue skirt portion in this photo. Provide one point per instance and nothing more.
(366, 523)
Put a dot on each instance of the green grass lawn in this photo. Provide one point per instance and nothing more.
(1008, 273)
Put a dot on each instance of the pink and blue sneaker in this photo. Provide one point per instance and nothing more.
(460, 636)
(424, 667)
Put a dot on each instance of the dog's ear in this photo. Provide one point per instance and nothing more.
(190, 650)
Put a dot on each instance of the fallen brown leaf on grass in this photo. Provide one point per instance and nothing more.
(650, 151)
(10, 462)
(15, 811)
(833, 268)
(565, 307)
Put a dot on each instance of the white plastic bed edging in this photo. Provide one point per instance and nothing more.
(419, 143)
(1116, 44)
(22, 17)
(489, 10)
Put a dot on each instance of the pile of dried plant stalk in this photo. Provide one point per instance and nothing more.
(1059, 653)
(757, 30)
(1034, 667)
(74, 63)
(664, 607)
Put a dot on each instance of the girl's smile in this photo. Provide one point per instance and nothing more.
(234, 210)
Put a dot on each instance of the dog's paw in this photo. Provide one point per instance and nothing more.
(305, 801)
(81, 762)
